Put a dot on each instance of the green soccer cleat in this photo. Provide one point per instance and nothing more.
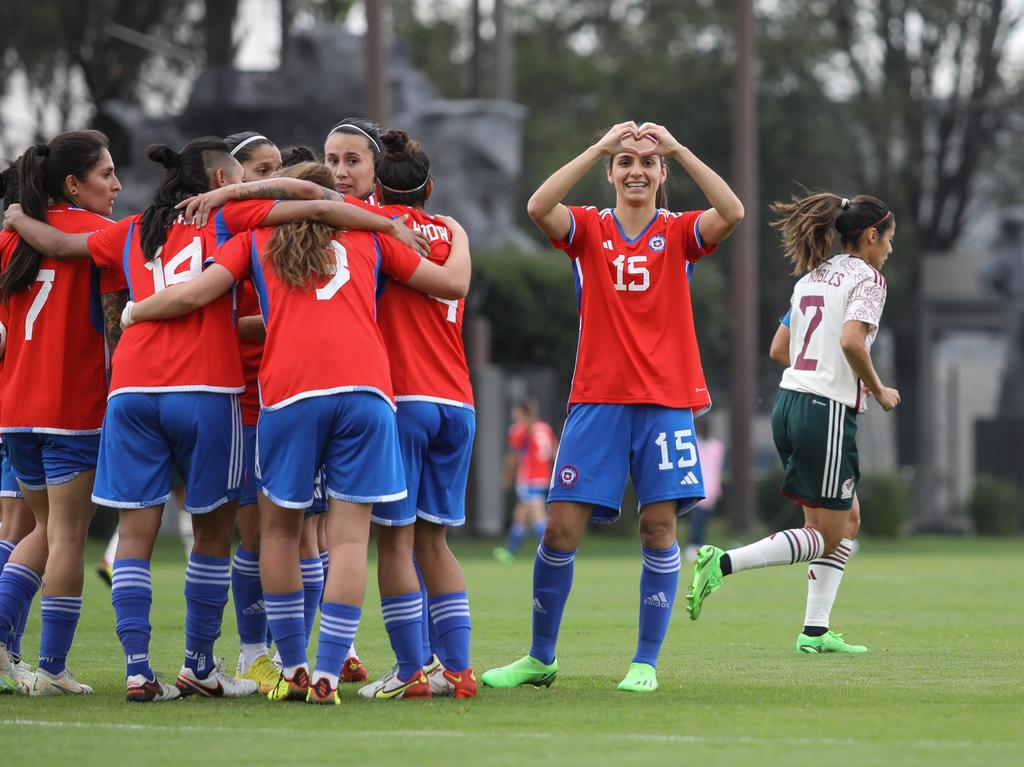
(830, 641)
(7, 684)
(707, 579)
(503, 555)
(640, 678)
(526, 670)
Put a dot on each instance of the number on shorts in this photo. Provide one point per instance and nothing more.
(164, 276)
(684, 448)
(45, 276)
(453, 308)
(817, 304)
(341, 273)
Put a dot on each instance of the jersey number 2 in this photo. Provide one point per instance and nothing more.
(817, 305)
(45, 276)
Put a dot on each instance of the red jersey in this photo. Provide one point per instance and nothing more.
(194, 352)
(637, 342)
(248, 305)
(423, 334)
(55, 367)
(536, 447)
(322, 340)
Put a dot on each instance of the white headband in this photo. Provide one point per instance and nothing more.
(344, 126)
(249, 140)
(405, 191)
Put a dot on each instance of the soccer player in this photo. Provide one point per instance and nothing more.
(638, 380)
(532, 446)
(436, 425)
(54, 320)
(712, 459)
(836, 308)
(311, 280)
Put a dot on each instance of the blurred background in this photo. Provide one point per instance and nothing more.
(919, 103)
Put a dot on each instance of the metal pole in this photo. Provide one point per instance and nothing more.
(743, 386)
(378, 102)
(503, 53)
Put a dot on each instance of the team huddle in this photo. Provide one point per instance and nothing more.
(292, 350)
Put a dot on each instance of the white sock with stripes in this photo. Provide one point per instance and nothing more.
(784, 548)
(823, 578)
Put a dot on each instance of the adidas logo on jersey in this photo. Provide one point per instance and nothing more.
(689, 479)
(538, 607)
(608, 245)
(657, 600)
(256, 608)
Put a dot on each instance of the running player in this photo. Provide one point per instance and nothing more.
(52, 432)
(836, 308)
(311, 280)
(638, 379)
(532, 446)
(436, 425)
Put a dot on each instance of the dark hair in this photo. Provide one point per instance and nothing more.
(187, 175)
(808, 225)
(661, 196)
(42, 170)
(252, 141)
(403, 170)
(9, 184)
(360, 126)
(293, 155)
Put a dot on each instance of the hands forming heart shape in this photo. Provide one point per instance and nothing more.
(643, 140)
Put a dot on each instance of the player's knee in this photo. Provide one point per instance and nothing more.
(559, 536)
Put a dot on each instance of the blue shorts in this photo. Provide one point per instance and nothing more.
(528, 493)
(249, 484)
(38, 460)
(602, 444)
(319, 496)
(147, 435)
(352, 435)
(437, 443)
(9, 487)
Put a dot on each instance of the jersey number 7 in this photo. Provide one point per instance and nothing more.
(817, 305)
(45, 276)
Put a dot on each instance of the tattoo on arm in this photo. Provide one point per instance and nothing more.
(265, 193)
(113, 304)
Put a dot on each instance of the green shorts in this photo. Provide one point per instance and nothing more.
(817, 441)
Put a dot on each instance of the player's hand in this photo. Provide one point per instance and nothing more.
(126, 315)
(198, 208)
(11, 216)
(409, 237)
(660, 141)
(3, 339)
(888, 398)
(611, 142)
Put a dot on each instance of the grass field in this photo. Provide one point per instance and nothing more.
(943, 683)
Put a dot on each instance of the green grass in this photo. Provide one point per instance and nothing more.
(943, 683)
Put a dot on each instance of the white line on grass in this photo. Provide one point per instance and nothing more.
(121, 726)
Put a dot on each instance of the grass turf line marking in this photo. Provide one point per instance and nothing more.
(528, 735)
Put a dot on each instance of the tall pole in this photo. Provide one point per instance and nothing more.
(378, 102)
(744, 282)
(476, 73)
(503, 53)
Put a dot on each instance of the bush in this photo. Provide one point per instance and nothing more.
(777, 511)
(884, 505)
(995, 507)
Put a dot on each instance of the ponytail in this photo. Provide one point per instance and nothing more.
(403, 170)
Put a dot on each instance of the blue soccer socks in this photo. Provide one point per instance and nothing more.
(338, 624)
(403, 619)
(516, 536)
(287, 620)
(659, 580)
(449, 614)
(6, 549)
(250, 612)
(60, 619)
(131, 593)
(18, 585)
(206, 593)
(312, 588)
(552, 581)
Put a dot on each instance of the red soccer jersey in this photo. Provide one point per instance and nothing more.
(252, 354)
(536, 447)
(195, 352)
(55, 366)
(637, 342)
(323, 340)
(423, 334)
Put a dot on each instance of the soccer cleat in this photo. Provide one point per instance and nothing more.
(23, 675)
(296, 688)
(321, 692)
(707, 579)
(640, 678)
(391, 687)
(63, 683)
(138, 689)
(503, 555)
(263, 673)
(463, 683)
(105, 571)
(353, 671)
(830, 641)
(526, 670)
(8, 684)
(435, 675)
(216, 685)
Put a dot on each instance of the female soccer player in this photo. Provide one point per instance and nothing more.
(436, 425)
(638, 379)
(836, 308)
(351, 151)
(312, 280)
(52, 432)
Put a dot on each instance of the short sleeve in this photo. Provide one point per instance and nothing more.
(106, 246)
(112, 280)
(686, 227)
(581, 219)
(239, 215)
(866, 301)
(235, 255)
(785, 319)
(396, 260)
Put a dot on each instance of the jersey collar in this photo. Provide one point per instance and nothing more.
(643, 231)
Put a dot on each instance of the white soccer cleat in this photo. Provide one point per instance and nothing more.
(64, 683)
(23, 676)
(139, 689)
(8, 684)
(439, 685)
(216, 685)
(390, 687)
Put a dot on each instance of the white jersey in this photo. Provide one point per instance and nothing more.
(842, 289)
